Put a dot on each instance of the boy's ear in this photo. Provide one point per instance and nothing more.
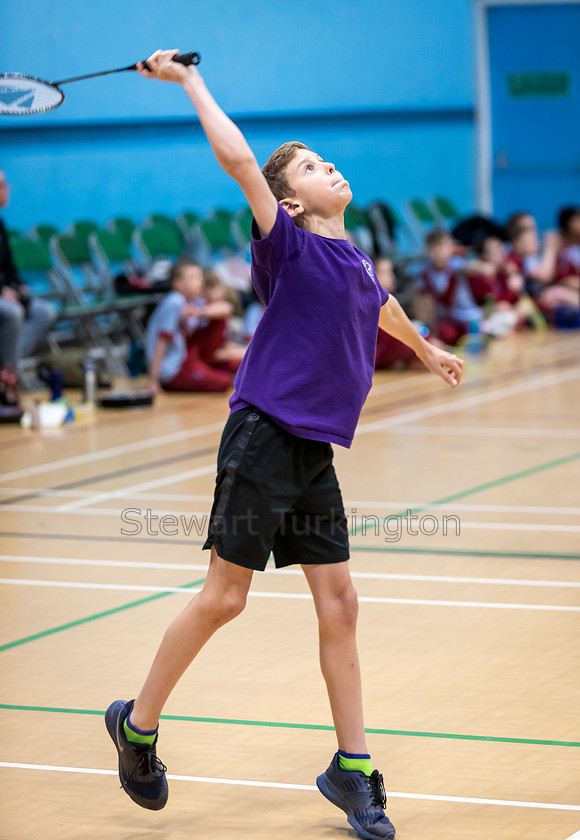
(292, 207)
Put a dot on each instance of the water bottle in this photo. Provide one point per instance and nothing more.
(90, 395)
(474, 343)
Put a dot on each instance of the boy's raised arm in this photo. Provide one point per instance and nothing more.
(227, 141)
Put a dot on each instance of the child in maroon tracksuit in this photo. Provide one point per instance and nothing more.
(444, 283)
(568, 262)
(495, 281)
(186, 337)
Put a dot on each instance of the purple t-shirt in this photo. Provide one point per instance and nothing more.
(310, 362)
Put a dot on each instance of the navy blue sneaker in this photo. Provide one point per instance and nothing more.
(361, 797)
(141, 773)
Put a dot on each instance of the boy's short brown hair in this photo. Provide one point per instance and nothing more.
(275, 168)
(516, 225)
(435, 237)
(178, 267)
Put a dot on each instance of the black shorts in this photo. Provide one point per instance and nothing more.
(275, 492)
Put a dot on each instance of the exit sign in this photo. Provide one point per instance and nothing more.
(538, 84)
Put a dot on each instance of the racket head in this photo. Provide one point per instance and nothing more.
(20, 95)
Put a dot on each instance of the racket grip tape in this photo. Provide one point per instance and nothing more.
(187, 59)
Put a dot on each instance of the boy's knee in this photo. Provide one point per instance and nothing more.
(224, 606)
(340, 607)
(234, 603)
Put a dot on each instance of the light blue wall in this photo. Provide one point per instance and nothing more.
(383, 89)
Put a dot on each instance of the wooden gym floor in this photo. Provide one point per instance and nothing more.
(469, 641)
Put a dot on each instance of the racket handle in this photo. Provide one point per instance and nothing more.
(187, 59)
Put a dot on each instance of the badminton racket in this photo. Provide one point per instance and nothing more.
(21, 94)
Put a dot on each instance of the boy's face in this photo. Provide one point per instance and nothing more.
(189, 282)
(441, 252)
(526, 242)
(320, 189)
(493, 251)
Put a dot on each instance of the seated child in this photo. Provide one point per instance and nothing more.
(496, 285)
(568, 262)
(445, 301)
(185, 335)
(538, 267)
(218, 350)
(390, 351)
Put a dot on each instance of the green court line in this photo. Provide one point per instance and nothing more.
(467, 552)
(309, 726)
(462, 494)
(566, 459)
(69, 625)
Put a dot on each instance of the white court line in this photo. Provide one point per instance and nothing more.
(491, 431)
(442, 408)
(202, 430)
(146, 485)
(100, 454)
(76, 508)
(451, 405)
(295, 596)
(374, 505)
(575, 836)
(542, 509)
(546, 510)
(70, 508)
(433, 797)
(199, 567)
(83, 494)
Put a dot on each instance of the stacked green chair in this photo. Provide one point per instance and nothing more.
(89, 302)
(158, 242)
(114, 248)
(36, 269)
(444, 210)
(73, 256)
(395, 238)
(44, 233)
(81, 230)
(421, 220)
(421, 211)
(217, 234)
(188, 223)
(160, 219)
(242, 225)
(123, 227)
(188, 219)
(112, 256)
(225, 217)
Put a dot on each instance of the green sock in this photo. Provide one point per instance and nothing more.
(355, 763)
(138, 736)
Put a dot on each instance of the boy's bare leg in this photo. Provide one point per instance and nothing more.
(336, 605)
(222, 598)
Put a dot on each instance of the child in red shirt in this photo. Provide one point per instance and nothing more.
(497, 285)
(538, 266)
(444, 289)
(568, 262)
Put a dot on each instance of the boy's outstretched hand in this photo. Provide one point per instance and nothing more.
(442, 363)
(163, 68)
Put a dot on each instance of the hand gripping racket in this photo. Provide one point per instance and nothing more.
(20, 94)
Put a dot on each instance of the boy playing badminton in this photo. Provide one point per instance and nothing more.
(300, 388)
